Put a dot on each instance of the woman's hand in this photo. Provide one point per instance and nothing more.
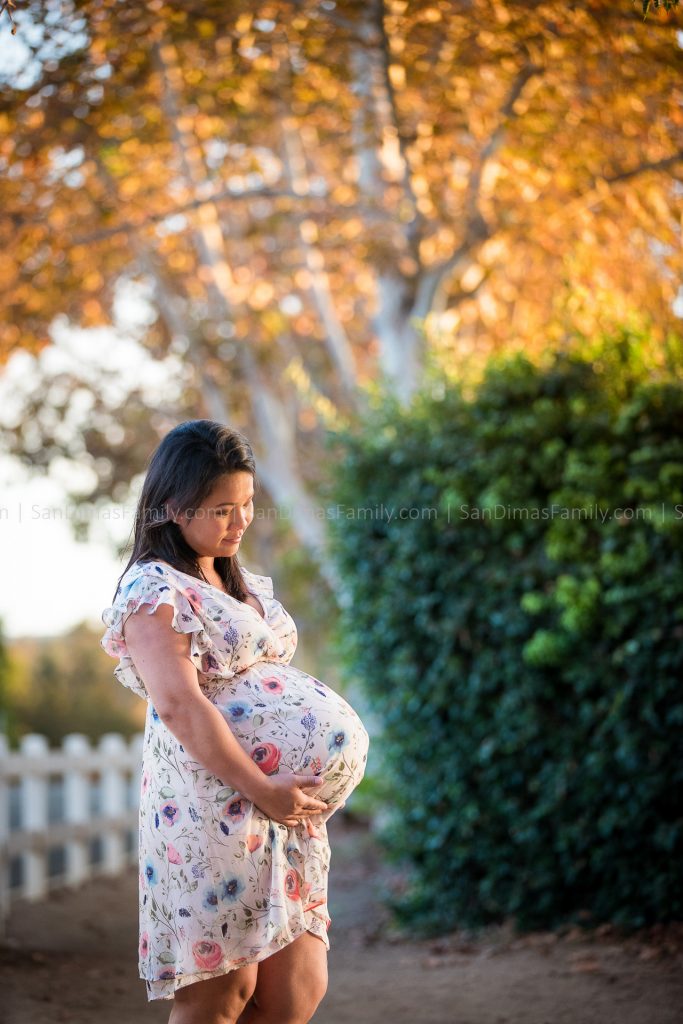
(162, 658)
(284, 798)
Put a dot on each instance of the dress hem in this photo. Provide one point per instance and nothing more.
(159, 989)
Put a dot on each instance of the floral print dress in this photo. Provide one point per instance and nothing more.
(221, 884)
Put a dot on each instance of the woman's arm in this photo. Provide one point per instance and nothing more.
(162, 659)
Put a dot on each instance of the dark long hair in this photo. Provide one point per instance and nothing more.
(180, 474)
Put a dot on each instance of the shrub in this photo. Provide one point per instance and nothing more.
(526, 667)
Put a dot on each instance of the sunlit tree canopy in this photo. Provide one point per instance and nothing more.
(310, 194)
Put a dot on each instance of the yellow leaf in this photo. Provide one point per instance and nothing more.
(397, 76)
(243, 23)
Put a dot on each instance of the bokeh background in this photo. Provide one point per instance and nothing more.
(427, 257)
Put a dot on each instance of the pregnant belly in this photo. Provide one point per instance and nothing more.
(288, 721)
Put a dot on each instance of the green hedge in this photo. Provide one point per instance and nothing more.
(527, 671)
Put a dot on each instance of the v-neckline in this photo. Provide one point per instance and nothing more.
(224, 593)
(245, 604)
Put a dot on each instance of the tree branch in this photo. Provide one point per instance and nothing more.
(477, 230)
(168, 306)
(336, 339)
(414, 228)
(207, 232)
(647, 165)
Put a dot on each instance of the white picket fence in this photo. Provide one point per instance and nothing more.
(66, 814)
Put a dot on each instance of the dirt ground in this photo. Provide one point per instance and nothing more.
(73, 959)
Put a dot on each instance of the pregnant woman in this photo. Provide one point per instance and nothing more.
(245, 756)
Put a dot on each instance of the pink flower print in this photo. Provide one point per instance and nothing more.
(267, 757)
(207, 955)
(145, 782)
(311, 829)
(235, 811)
(143, 949)
(312, 900)
(272, 684)
(253, 842)
(292, 885)
(316, 765)
(170, 812)
(173, 854)
(193, 597)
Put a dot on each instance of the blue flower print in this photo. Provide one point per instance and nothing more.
(170, 812)
(150, 872)
(309, 721)
(336, 740)
(231, 635)
(210, 901)
(231, 888)
(153, 712)
(237, 710)
(183, 912)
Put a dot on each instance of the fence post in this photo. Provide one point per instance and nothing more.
(114, 802)
(34, 812)
(77, 806)
(4, 834)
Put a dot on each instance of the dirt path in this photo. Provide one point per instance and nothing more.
(74, 959)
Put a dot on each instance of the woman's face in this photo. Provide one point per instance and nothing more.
(215, 527)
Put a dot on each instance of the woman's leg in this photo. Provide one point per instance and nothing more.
(218, 1000)
(290, 983)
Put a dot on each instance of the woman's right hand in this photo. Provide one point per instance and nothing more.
(284, 798)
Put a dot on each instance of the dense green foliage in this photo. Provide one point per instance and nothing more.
(526, 665)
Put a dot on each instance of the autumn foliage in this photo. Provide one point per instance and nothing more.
(313, 197)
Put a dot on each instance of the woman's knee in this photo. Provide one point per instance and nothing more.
(218, 1000)
(293, 1005)
(239, 996)
(317, 993)
(291, 983)
(309, 997)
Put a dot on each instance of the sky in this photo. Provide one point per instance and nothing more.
(50, 581)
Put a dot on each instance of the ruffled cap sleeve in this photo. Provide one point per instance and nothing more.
(262, 585)
(152, 587)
